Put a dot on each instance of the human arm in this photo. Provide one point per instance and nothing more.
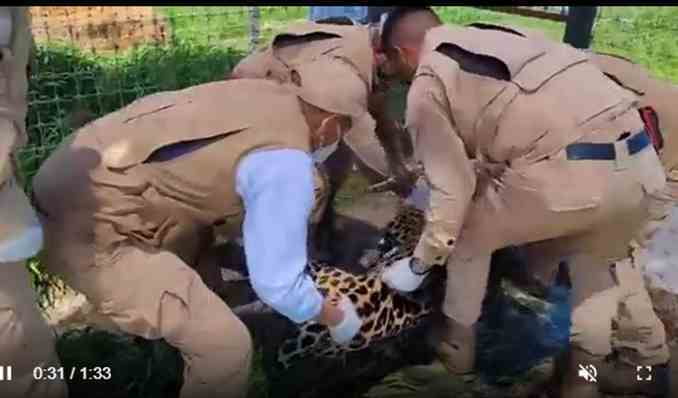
(391, 137)
(447, 168)
(278, 194)
(277, 191)
(450, 176)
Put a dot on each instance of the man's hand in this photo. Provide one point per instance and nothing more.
(341, 318)
(400, 275)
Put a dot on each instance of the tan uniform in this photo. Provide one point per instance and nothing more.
(133, 224)
(306, 41)
(26, 341)
(660, 95)
(642, 330)
(519, 104)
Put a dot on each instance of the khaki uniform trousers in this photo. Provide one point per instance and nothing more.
(638, 335)
(26, 341)
(553, 205)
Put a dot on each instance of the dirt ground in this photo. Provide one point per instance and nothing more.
(99, 29)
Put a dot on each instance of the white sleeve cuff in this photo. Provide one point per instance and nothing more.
(300, 303)
(26, 245)
(349, 327)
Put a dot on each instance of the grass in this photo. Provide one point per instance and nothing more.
(70, 86)
(644, 34)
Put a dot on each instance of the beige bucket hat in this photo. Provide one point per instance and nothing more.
(333, 84)
(20, 231)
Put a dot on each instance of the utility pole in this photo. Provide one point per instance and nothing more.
(579, 28)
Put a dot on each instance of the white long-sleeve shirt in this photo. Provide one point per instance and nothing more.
(277, 189)
(26, 244)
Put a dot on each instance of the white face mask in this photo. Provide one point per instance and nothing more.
(22, 247)
(321, 154)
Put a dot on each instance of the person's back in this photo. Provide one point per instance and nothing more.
(305, 41)
(181, 176)
(660, 95)
(507, 91)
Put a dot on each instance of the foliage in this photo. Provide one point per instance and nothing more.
(69, 87)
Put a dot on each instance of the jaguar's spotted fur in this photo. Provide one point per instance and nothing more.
(385, 313)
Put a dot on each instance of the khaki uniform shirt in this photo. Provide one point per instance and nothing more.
(660, 95)
(147, 195)
(496, 105)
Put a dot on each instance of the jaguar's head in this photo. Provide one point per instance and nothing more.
(385, 313)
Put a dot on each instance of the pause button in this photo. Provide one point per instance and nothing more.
(5, 373)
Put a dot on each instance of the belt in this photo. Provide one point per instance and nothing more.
(606, 151)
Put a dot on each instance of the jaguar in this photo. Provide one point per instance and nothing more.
(385, 313)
